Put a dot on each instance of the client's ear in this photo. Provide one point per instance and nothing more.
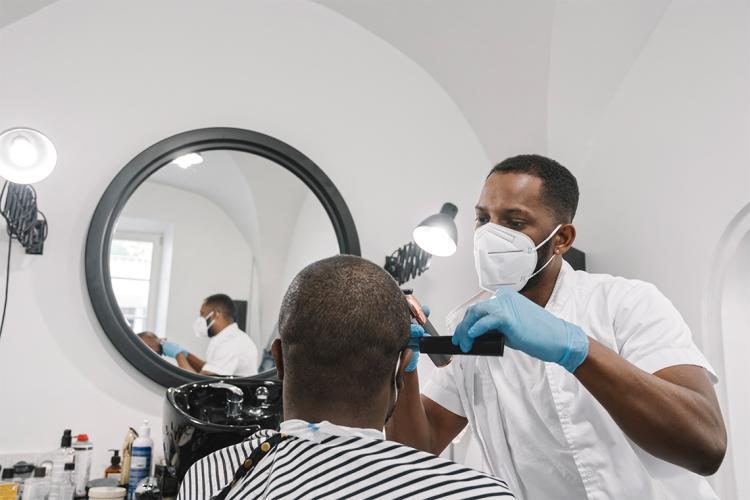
(277, 358)
(403, 362)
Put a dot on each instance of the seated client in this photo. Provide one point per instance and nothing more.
(344, 329)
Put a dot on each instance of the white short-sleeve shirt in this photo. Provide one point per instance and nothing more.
(537, 425)
(231, 352)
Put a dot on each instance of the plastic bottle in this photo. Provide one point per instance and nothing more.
(114, 470)
(37, 487)
(67, 486)
(84, 450)
(22, 471)
(140, 460)
(8, 487)
(62, 456)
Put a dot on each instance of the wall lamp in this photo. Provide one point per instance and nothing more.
(26, 156)
(436, 235)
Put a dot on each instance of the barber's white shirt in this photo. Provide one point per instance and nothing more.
(231, 352)
(541, 430)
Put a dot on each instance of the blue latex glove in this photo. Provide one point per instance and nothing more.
(527, 327)
(417, 332)
(172, 349)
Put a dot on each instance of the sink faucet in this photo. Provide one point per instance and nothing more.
(234, 399)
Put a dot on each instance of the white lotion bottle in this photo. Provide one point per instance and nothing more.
(140, 460)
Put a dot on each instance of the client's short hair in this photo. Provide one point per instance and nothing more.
(224, 304)
(343, 323)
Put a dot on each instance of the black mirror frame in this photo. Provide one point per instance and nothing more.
(136, 172)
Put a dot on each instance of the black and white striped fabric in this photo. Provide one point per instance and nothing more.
(352, 467)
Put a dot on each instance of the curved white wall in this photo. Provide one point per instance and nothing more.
(650, 108)
(106, 79)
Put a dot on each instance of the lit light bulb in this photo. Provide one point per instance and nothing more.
(434, 240)
(22, 152)
(188, 160)
(26, 155)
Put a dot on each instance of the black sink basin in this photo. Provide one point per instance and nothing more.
(200, 418)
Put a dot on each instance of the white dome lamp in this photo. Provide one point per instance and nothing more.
(26, 155)
(437, 234)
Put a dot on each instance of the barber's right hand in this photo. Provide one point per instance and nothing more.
(172, 349)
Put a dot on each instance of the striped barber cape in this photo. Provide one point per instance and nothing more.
(309, 461)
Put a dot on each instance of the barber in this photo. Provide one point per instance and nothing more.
(602, 393)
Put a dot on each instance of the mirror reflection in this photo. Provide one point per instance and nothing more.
(203, 251)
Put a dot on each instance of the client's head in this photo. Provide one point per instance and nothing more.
(151, 340)
(343, 327)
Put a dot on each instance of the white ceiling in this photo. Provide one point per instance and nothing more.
(490, 56)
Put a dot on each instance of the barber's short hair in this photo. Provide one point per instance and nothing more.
(224, 304)
(559, 186)
(343, 323)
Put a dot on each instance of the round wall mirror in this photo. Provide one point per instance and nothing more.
(194, 243)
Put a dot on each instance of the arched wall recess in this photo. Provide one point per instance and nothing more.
(715, 331)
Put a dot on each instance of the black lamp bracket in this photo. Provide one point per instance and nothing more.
(407, 262)
(24, 220)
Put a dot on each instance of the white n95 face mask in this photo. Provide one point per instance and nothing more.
(201, 326)
(505, 257)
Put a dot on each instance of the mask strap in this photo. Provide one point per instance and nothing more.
(554, 231)
(542, 268)
(211, 323)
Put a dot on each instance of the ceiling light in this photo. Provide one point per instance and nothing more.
(188, 160)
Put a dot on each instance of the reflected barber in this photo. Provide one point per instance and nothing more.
(230, 350)
(602, 392)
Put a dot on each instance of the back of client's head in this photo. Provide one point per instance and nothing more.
(343, 323)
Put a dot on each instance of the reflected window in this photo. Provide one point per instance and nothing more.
(133, 263)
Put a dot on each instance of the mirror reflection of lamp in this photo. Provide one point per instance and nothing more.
(436, 235)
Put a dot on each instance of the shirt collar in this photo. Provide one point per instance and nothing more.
(559, 292)
(319, 430)
(228, 328)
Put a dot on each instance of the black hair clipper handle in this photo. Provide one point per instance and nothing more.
(489, 344)
(439, 359)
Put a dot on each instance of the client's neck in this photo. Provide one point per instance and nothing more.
(371, 416)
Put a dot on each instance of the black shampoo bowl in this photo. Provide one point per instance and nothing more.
(202, 417)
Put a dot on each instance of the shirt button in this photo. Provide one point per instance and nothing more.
(248, 463)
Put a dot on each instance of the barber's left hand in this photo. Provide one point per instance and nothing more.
(527, 327)
(417, 332)
(172, 349)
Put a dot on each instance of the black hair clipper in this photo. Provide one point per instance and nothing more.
(440, 349)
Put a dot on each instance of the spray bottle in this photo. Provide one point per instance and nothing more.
(140, 460)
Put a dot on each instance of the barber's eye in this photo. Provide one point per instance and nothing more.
(481, 220)
(517, 224)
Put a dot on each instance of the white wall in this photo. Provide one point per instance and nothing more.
(649, 107)
(106, 79)
(209, 255)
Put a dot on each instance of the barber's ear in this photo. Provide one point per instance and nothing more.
(278, 358)
(565, 238)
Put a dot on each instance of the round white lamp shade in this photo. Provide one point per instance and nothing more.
(437, 234)
(26, 155)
